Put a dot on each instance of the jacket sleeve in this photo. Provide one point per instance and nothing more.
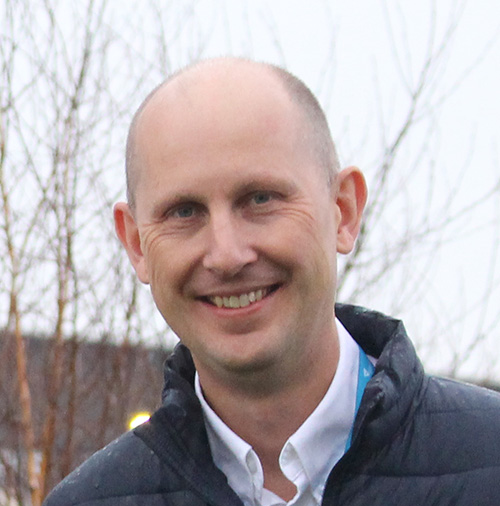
(124, 468)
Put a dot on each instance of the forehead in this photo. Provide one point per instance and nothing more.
(212, 115)
(215, 97)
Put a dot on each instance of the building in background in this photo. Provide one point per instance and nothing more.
(101, 388)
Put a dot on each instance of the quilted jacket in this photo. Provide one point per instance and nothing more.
(418, 440)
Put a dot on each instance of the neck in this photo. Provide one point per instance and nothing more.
(265, 412)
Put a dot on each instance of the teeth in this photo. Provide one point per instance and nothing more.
(237, 301)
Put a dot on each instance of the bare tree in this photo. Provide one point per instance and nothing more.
(70, 82)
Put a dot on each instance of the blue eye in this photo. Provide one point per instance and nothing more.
(184, 211)
(261, 197)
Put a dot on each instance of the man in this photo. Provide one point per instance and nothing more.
(236, 211)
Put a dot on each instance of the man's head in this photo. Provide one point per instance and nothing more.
(238, 216)
(315, 123)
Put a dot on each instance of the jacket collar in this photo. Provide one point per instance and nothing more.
(177, 435)
(393, 393)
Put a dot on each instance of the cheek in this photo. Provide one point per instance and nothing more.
(162, 261)
(172, 265)
(306, 239)
(314, 252)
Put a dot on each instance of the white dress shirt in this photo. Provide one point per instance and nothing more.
(308, 455)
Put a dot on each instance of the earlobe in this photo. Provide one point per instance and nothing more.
(128, 233)
(350, 200)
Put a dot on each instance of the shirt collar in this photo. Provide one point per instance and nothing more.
(321, 440)
(310, 453)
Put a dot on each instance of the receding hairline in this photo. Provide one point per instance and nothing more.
(300, 95)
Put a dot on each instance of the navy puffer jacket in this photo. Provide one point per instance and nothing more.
(418, 440)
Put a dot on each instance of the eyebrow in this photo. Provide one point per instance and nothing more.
(269, 183)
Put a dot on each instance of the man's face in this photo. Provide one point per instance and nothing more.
(237, 228)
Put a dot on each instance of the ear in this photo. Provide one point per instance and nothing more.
(128, 233)
(350, 200)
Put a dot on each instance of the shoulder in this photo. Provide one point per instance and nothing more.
(462, 420)
(443, 396)
(124, 467)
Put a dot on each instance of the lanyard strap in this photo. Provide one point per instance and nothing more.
(365, 372)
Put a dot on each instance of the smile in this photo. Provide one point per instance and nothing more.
(241, 300)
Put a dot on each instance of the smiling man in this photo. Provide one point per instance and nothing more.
(236, 212)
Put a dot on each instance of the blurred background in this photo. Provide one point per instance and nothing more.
(411, 91)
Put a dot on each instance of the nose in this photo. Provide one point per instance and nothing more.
(228, 247)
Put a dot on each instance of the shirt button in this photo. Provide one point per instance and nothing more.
(252, 465)
(287, 452)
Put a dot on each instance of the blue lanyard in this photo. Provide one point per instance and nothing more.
(365, 372)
